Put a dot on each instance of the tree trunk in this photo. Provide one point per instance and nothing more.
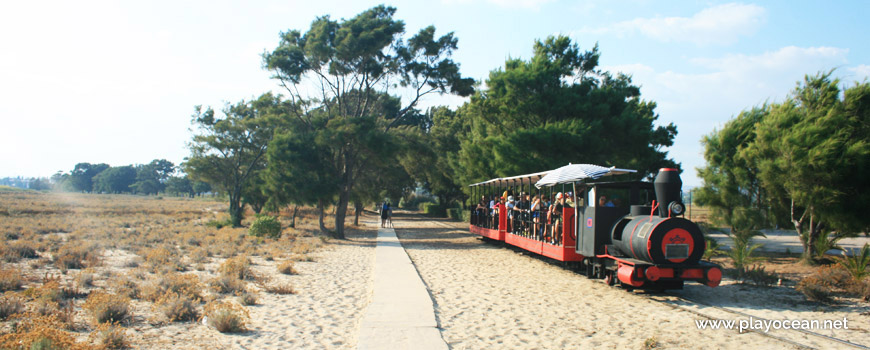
(344, 195)
(235, 209)
(293, 217)
(341, 213)
(320, 209)
(808, 239)
(357, 208)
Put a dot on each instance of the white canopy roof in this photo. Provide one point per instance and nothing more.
(513, 180)
(576, 172)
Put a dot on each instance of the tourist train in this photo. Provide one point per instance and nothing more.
(627, 232)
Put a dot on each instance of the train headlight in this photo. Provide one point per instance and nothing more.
(676, 208)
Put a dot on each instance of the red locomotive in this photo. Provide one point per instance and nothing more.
(632, 232)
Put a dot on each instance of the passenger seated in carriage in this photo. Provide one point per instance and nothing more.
(480, 211)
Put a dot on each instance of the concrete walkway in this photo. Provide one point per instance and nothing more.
(788, 241)
(401, 315)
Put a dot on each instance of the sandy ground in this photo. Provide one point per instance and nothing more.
(487, 296)
(333, 292)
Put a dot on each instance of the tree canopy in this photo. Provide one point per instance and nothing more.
(354, 65)
(229, 151)
(799, 161)
(554, 109)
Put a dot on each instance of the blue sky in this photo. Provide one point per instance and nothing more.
(116, 82)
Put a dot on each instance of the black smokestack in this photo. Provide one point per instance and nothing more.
(668, 186)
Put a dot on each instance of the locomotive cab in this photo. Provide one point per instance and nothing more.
(595, 219)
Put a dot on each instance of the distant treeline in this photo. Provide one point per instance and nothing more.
(152, 178)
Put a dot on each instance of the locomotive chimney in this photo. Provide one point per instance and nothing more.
(668, 186)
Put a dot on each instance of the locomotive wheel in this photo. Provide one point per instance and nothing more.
(608, 278)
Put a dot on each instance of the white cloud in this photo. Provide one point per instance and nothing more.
(529, 4)
(785, 59)
(860, 72)
(525, 4)
(718, 25)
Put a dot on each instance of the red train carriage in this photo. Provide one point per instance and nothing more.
(628, 231)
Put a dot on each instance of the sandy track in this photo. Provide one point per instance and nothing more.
(487, 296)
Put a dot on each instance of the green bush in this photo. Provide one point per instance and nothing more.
(465, 215)
(857, 263)
(219, 224)
(758, 276)
(454, 213)
(434, 209)
(712, 249)
(268, 226)
(415, 202)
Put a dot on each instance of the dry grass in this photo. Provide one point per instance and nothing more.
(10, 279)
(188, 285)
(238, 267)
(280, 289)
(106, 307)
(248, 298)
(40, 332)
(178, 307)
(287, 268)
(110, 336)
(10, 304)
(227, 285)
(227, 317)
(58, 248)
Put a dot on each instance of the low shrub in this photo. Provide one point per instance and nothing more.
(455, 213)
(75, 256)
(10, 304)
(41, 332)
(856, 264)
(177, 283)
(105, 307)
(237, 267)
(712, 249)
(19, 250)
(227, 317)
(248, 298)
(860, 289)
(10, 279)
(434, 210)
(126, 286)
(286, 267)
(163, 259)
(651, 343)
(177, 307)
(833, 276)
(815, 290)
(111, 336)
(281, 289)
(758, 276)
(303, 246)
(227, 285)
(219, 224)
(84, 279)
(415, 202)
(266, 226)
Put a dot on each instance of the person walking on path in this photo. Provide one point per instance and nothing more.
(385, 213)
